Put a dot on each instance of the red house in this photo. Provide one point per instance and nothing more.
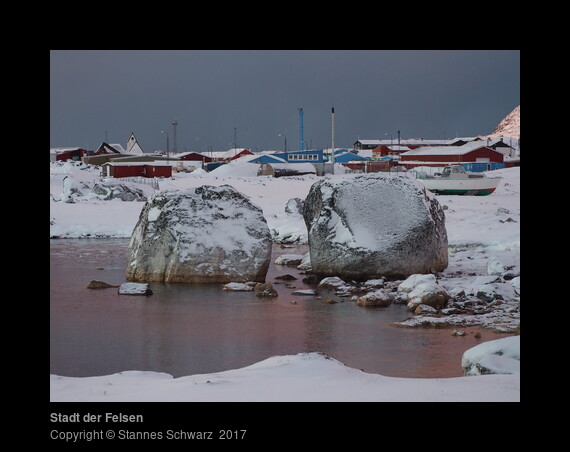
(473, 152)
(226, 156)
(390, 150)
(135, 169)
(67, 153)
(194, 157)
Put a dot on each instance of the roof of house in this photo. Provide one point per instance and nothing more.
(135, 163)
(447, 150)
(60, 150)
(268, 158)
(225, 154)
(347, 157)
(133, 145)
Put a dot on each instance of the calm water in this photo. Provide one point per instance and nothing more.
(188, 329)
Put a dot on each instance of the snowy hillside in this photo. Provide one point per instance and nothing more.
(510, 126)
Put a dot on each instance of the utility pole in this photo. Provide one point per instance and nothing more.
(174, 124)
(167, 150)
(301, 136)
(332, 129)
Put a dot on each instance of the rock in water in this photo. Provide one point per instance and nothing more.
(95, 284)
(200, 235)
(134, 289)
(374, 225)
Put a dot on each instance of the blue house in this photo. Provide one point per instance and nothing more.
(268, 158)
(311, 156)
(346, 157)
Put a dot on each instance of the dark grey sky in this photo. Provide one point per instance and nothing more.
(257, 93)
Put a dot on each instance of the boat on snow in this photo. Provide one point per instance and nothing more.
(454, 180)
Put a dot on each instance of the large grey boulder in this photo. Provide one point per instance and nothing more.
(374, 225)
(200, 235)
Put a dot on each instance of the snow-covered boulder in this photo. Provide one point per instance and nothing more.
(374, 225)
(377, 298)
(495, 266)
(72, 189)
(131, 288)
(200, 235)
(501, 356)
(289, 259)
(422, 290)
(294, 206)
(331, 282)
(428, 293)
(497, 291)
(516, 283)
(305, 263)
(237, 287)
(413, 280)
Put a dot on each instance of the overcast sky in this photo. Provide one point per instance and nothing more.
(253, 96)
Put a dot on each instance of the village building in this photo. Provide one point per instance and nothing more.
(267, 158)
(385, 150)
(133, 146)
(467, 154)
(70, 153)
(410, 142)
(286, 169)
(136, 169)
(346, 156)
(110, 149)
(226, 156)
(193, 157)
(311, 156)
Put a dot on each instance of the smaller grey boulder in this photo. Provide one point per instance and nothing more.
(134, 289)
(95, 284)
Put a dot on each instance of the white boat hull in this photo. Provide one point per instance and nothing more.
(481, 186)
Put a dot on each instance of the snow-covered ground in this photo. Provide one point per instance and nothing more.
(305, 377)
(484, 240)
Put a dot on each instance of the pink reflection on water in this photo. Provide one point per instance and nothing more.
(183, 329)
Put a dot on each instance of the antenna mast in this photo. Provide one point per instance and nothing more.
(301, 136)
(174, 124)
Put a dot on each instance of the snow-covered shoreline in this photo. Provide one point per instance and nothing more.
(483, 234)
(305, 377)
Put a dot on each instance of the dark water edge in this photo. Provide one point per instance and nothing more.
(187, 329)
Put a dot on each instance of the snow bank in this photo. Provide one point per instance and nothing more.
(501, 356)
(305, 377)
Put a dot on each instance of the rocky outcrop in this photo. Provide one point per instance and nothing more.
(200, 235)
(118, 191)
(374, 225)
